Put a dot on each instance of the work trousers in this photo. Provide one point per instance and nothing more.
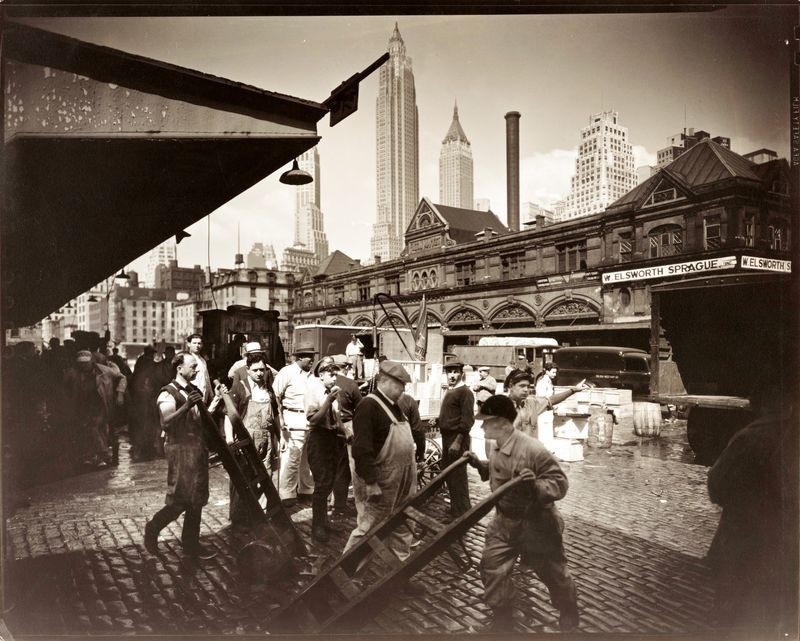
(323, 455)
(504, 542)
(190, 535)
(341, 486)
(295, 474)
(457, 482)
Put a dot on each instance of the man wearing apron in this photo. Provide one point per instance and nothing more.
(258, 408)
(544, 389)
(383, 454)
(187, 458)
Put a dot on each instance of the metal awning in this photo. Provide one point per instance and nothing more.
(108, 154)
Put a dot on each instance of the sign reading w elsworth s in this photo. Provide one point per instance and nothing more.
(696, 267)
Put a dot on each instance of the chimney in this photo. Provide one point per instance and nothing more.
(539, 221)
(488, 233)
(377, 259)
(512, 170)
(173, 263)
(238, 260)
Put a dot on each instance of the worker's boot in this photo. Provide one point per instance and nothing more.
(503, 620)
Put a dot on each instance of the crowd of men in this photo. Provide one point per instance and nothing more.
(319, 434)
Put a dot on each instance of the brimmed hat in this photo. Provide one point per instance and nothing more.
(252, 348)
(395, 370)
(306, 349)
(324, 364)
(484, 369)
(83, 356)
(516, 376)
(453, 365)
(497, 406)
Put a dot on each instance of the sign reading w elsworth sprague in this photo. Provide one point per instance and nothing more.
(696, 267)
(770, 264)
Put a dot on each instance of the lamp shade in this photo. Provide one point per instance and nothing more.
(295, 176)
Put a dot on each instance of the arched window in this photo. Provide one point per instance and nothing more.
(425, 280)
(666, 240)
(415, 282)
(252, 276)
(433, 279)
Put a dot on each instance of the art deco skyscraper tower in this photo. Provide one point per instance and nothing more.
(455, 167)
(309, 227)
(604, 168)
(397, 130)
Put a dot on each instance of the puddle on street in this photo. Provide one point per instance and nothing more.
(671, 444)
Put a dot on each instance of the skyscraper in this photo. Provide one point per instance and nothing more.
(397, 128)
(455, 167)
(604, 169)
(309, 227)
(160, 255)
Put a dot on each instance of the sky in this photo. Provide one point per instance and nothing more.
(725, 72)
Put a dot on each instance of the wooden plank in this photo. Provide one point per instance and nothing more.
(343, 583)
(384, 553)
(705, 400)
(429, 523)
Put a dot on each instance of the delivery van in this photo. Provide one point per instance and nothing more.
(618, 367)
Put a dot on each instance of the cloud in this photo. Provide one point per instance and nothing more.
(545, 176)
(643, 157)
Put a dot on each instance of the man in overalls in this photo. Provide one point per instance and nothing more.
(383, 455)
(187, 458)
(257, 406)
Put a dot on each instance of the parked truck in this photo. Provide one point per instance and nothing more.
(499, 352)
(725, 332)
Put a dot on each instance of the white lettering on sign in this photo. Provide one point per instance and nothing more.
(675, 269)
(769, 264)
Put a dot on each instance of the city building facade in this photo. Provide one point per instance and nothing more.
(604, 168)
(582, 281)
(455, 167)
(681, 142)
(397, 151)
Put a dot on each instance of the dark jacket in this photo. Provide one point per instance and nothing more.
(456, 413)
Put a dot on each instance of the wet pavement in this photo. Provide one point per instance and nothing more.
(638, 524)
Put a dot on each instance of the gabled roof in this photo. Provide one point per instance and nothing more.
(455, 133)
(706, 163)
(465, 223)
(335, 263)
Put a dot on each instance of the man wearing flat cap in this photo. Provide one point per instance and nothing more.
(527, 522)
(486, 385)
(290, 388)
(383, 457)
(456, 418)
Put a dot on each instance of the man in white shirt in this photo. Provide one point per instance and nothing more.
(355, 355)
(290, 388)
(202, 379)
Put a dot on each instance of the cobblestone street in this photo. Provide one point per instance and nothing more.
(638, 525)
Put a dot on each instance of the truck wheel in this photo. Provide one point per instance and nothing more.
(709, 430)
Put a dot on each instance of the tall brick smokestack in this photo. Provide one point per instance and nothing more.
(512, 169)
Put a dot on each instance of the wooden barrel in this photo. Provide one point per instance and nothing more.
(646, 419)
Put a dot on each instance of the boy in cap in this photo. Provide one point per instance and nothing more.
(383, 457)
(527, 522)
